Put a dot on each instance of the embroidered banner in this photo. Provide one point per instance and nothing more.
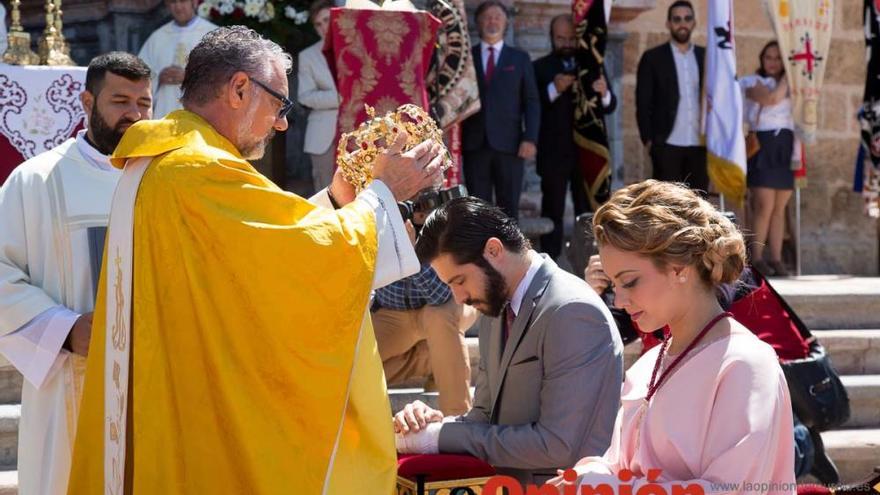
(723, 106)
(803, 28)
(590, 134)
(867, 177)
(39, 109)
(452, 80)
(379, 58)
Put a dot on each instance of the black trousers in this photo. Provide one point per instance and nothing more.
(487, 171)
(685, 164)
(557, 176)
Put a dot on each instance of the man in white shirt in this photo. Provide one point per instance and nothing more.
(668, 87)
(54, 209)
(166, 51)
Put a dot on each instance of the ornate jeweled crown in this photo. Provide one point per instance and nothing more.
(358, 149)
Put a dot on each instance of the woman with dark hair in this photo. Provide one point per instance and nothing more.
(770, 177)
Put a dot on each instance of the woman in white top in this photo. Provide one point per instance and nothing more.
(770, 177)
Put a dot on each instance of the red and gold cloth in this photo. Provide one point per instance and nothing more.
(379, 58)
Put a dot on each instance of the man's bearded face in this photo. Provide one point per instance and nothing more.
(119, 103)
(494, 296)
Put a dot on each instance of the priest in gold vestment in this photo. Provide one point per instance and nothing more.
(231, 350)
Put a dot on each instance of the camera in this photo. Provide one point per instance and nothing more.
(416, 210)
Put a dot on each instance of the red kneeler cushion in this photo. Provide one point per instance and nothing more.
(442, 467)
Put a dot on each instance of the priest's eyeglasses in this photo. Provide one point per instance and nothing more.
(286, 103)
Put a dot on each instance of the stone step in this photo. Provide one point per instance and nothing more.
(10, 385)
(853, 352)
(856, 452)
(8, 482)
(827, 302)
(9, 417)
(864, 401)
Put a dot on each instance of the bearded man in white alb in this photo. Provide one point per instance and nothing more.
(167, 49)
(54, 210)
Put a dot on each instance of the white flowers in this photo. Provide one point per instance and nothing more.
(262, 10)
(297, 17)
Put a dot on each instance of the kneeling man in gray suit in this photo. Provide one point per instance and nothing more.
(551, 364)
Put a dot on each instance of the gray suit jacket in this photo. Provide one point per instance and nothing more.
(551, 396)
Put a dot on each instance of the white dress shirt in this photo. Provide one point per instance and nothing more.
(535, 262)
(686, 130)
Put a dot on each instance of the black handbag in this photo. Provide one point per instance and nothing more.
(818, 397)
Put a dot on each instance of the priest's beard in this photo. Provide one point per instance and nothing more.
(106, 137)
(250, 148)
(495, 291)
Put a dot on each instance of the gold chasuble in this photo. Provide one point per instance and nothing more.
(253, 366)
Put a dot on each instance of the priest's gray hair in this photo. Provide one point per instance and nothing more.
(223, 52)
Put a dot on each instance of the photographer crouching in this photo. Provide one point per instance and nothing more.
(419, 327)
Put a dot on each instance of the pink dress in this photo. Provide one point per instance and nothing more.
(721, 420)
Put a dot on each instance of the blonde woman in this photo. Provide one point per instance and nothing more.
(710, 406)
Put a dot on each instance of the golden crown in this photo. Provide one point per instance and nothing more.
(358, 149)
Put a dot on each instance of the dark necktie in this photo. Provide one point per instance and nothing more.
(490, 64)
(509, 316)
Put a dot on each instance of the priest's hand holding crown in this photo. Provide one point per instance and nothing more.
(403, 149)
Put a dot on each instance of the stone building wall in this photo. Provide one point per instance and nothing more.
(836, 236)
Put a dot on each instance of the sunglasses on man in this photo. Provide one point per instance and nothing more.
(286, 103)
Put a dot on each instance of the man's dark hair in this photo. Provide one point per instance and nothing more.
(490, 3)
(122, 64)
(677, 4)
(556, 19)
(461, 228)
(223, 52)
(319, 5)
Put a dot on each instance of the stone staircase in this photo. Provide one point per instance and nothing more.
(844, 313)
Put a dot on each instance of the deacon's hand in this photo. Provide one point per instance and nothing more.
(172, 75)
(81, 334)
(414, 417)
(405, 174)
(596, 276)
(527, 150)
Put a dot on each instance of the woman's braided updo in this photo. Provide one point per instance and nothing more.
(671, 224)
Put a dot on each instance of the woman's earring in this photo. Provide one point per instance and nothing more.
(682, 279)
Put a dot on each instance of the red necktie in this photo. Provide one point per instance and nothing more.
(490, 64)
(509, 316)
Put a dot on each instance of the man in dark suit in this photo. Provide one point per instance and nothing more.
(557, 154)
(668, 88)
(497, 139)
(548, 383)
